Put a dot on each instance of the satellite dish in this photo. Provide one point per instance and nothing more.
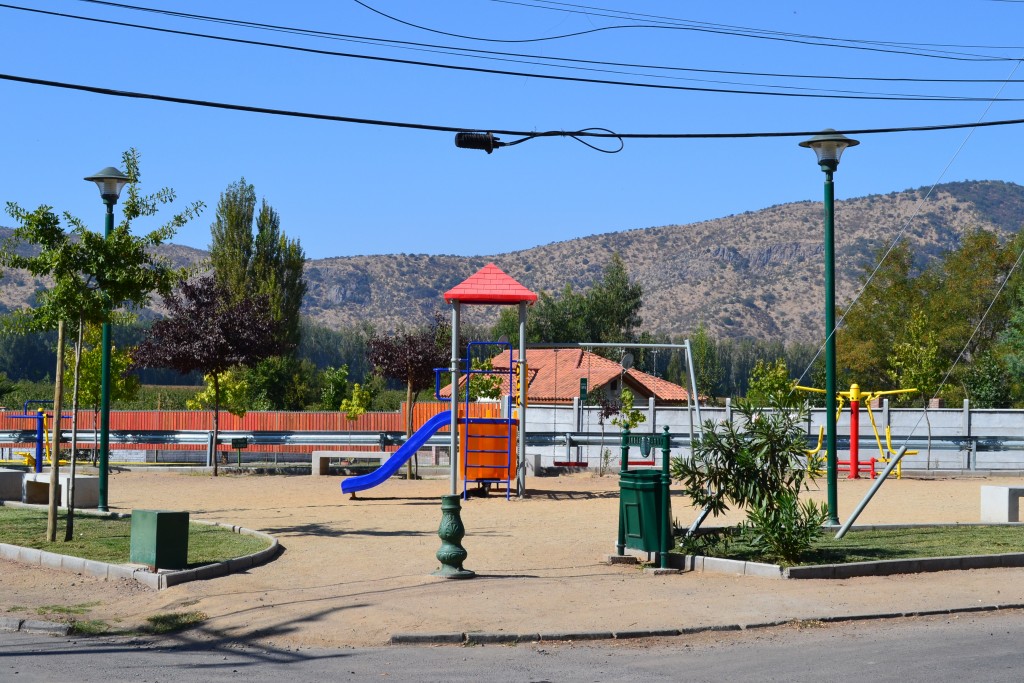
(627, 361)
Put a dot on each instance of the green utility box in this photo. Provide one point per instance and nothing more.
(640, 511)
(160, 539)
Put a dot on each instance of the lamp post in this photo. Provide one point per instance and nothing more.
(829, 146)
(110, 181)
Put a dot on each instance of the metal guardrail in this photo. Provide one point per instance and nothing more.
(533, 439)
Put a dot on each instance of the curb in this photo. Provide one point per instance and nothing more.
(53, 628)
(157, 581)
(568, 637)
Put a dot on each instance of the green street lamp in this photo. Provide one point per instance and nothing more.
(110, 181)
(829, 146)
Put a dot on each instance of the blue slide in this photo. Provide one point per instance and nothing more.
(398, 458)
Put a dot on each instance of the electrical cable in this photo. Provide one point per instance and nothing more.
(749, 33)
(657, 86)
(899, 236)
(551, 77)
(587, 133)
(461, 51)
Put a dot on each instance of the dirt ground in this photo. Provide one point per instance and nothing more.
(354, 572)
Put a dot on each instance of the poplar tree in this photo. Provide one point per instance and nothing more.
(251, 256)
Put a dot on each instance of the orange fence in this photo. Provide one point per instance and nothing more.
(255, 421)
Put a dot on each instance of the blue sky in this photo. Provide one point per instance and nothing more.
(346, 189)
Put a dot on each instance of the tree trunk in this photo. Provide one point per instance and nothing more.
(58, 391)
(409, 398)
(216, 417)
(69, 528)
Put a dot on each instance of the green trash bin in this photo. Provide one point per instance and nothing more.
(640, 509)
(160, 539)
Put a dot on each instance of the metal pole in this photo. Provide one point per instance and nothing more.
(854, 432)
(523, 393)
(874, 488)
(104, 459)
(830, 350)
(453, 442)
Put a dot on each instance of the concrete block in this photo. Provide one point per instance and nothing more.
(10, 484)
(50, 627)
(10, 623)
(1000, 504)
(765, 571)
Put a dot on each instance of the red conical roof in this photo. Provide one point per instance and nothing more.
(490, 285)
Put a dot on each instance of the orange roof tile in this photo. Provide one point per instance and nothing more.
(554, 376)
(490, 285)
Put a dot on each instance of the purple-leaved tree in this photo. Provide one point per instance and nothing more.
(206, 331)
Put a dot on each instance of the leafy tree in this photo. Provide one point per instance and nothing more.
(608, 312)
(358, 403)
(628, 417)
(756, 462)
(410, 356)
(914, 360)
(234, 394)
(769, 383)
(251, 256)
(987, 383)
(870, 326)
(92, 274)
(706, 365)
(613, 305)
(124, 385)
(333, 387)
(208, 331)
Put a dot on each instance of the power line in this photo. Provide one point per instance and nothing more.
(588, 133)
(448, 49)
(708, 28)
(504, 72)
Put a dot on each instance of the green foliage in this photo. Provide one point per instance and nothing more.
(769, 383)
(784, 530)
(706, 364)
(755, 462)
(914, 360)
(485, 384)
(358, 403)
(988, 383)
(608, 312)
(410, 356)
(234, 394)
(628, 417)
(252, 257)
(333, 387)
(124, 386)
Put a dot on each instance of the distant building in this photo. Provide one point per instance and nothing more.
(555, 374)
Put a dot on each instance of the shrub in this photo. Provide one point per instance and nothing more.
(757, 462)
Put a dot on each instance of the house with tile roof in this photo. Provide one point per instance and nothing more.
(555, 374)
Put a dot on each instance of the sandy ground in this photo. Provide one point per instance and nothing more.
(354, 572)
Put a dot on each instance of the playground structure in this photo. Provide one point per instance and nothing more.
(42, 441)
(484, 451)
(854, 467)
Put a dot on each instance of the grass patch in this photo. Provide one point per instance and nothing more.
(67, 609)
(896, 544)
(174, 621)
(109, 540)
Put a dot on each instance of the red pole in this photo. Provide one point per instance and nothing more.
(854, 432)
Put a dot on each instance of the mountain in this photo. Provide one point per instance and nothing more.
(756, 274)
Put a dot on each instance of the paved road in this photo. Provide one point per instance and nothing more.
(973, 647)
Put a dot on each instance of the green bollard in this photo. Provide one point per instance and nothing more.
(451, 554)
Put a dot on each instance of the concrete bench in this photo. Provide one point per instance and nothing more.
(10, 484)
(321, 460)
(35, 488)
(1001, 504)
